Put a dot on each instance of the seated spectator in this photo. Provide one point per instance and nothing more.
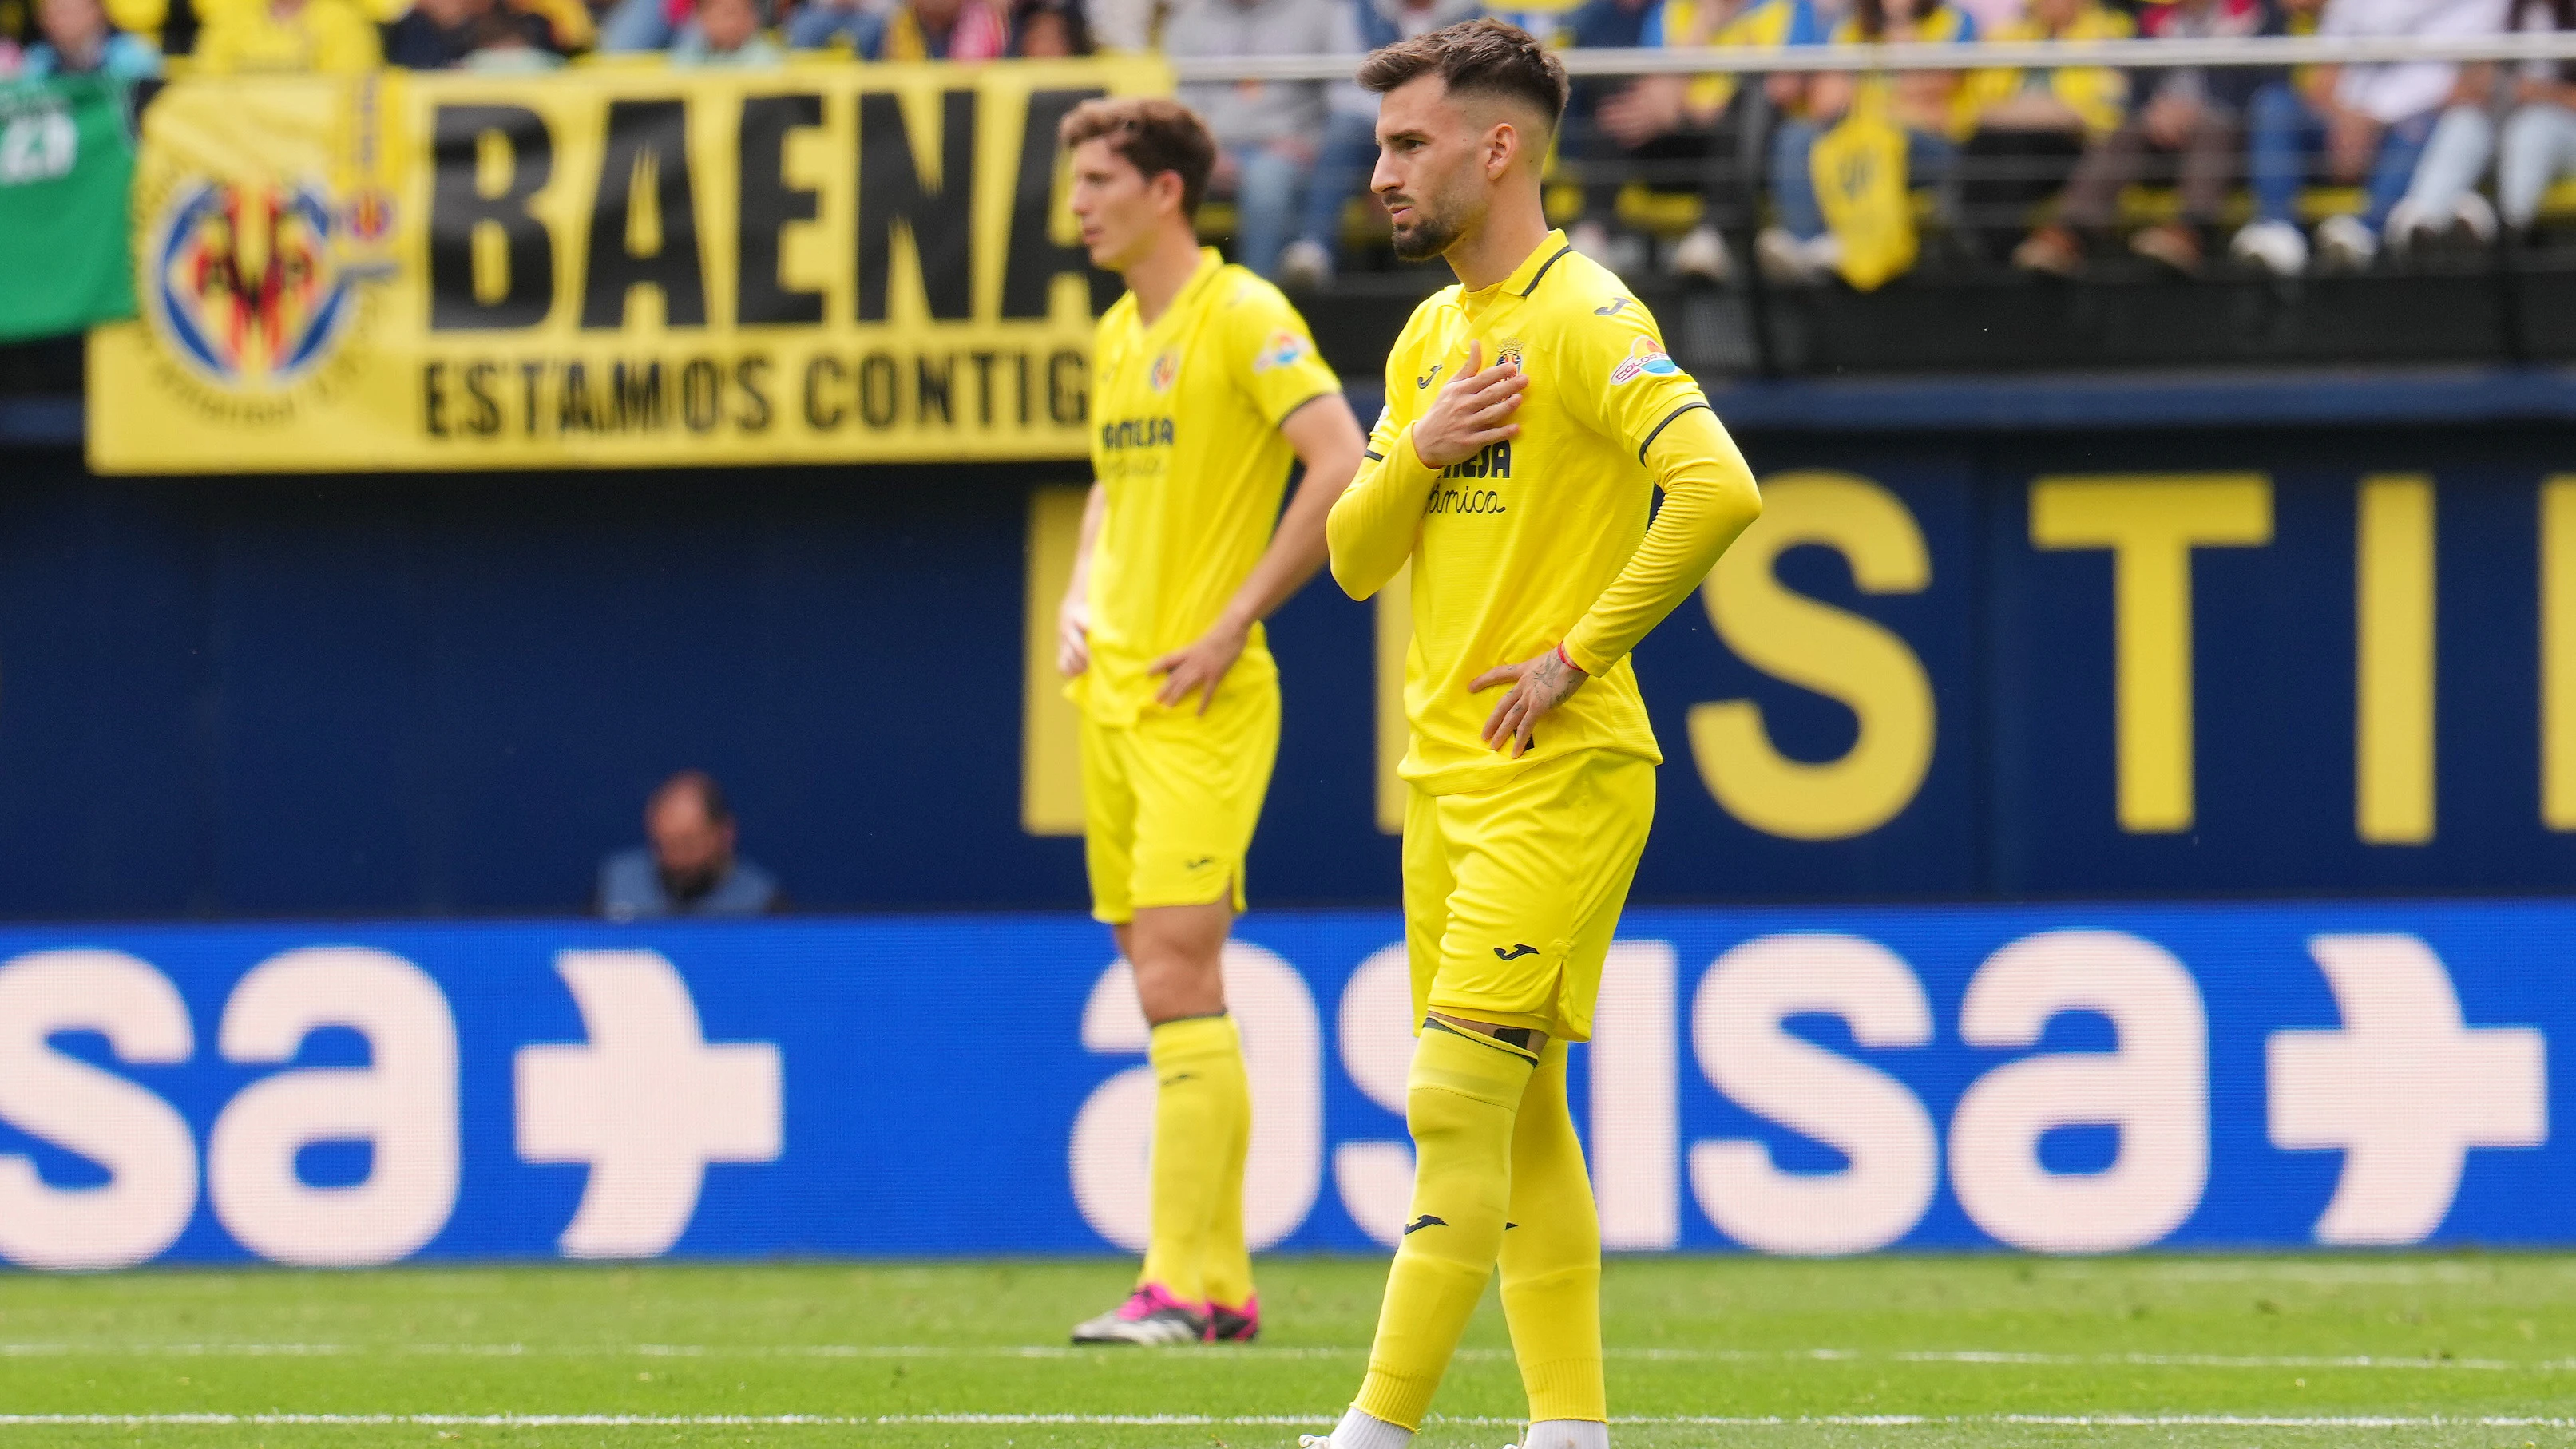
(726, 33)
(690, 868)
(1591, 140)
(1266, 131)
(2370, 121)
(281, 36)
(2539, 146)
(79, 41)
(2028, 128)
(1800, 248)
(504, 41)
(2192, 125)
(916, 30)
(1348, 150)
(1690, 134)
(1049, 30)
(433, 34)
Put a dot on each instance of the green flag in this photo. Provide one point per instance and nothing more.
(66, 164)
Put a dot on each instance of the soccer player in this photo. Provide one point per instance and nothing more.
(1531, 412)
(1205, 389)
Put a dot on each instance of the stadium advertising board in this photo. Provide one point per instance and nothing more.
(1805, 1081)
(618, 268)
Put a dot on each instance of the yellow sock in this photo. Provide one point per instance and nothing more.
(1193, 1060)
(1226, 1276)
(1459, 1102)
(1551, 1258)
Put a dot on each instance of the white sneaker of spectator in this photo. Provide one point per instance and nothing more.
(1304, 265)
(1786, 261)
(1619, 252)
(2471, 220)
(1702, 253)
(2275, 246)
(2345, 245)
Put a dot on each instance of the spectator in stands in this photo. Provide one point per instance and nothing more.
(690, 868)
(916, 30)
(2192, 124)
(1266, 131)
(1692, 134)
(725, 33)
(1800, 248)
(2028, 128)
(281, 36)
(2539, 146)
(505, 41)
(1049, 30)
(434, 34)
(1348, 150)
(1598, 111)
(2371, 121)
(79, 41)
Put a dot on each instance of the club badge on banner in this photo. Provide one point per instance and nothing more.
(617, 268)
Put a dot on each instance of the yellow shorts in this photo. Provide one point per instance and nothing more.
(1512, 895)
(1169, 802)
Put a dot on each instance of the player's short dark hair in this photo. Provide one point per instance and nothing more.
(1152, 134)
(1485, 57)
(711, 796)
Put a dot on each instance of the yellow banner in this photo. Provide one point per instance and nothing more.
(608, 268)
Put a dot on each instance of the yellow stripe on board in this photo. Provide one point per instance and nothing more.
(1394, 732)
(2393, 661)
(2558, 652)
(1050, 730)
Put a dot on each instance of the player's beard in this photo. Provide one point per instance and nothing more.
(1426, 234)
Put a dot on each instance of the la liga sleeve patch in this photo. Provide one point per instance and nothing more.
(1644, 358)
(1284, 349)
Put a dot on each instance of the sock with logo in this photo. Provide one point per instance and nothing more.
(1194, 1060)
(1227, 1272)
(1551, 1262)
(1459, 1101)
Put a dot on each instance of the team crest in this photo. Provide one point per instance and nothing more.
(1165, 371)
(1510, 351)
(1643, 357)
(244, 282)
(1284, 349)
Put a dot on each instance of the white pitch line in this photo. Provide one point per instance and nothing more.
(670, 1421)
(1968, 1356)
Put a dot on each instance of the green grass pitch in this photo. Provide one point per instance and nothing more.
(1909, 1353)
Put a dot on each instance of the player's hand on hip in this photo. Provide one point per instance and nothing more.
(1475, 409)
(1072, 637)
(1537, 686)
(1199, 668)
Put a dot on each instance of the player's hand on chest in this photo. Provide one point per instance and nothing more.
(1478, 404)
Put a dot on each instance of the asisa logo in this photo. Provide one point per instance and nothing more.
(1165, 371)
(1282, 350)
(244, 282)
(1643, 357)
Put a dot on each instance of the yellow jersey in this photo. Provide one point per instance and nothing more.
(1518, 548)
(1185, 441)
(333, 36)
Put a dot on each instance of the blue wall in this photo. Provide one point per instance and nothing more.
(368, 695)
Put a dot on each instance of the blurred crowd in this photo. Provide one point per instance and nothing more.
(1803, 176)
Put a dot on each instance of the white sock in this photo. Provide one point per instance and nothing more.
(1361, 1431)
(1567, 1434)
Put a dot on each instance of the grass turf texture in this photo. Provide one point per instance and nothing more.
(1983, 1351)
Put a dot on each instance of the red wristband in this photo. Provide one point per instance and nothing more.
(1568, 661)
